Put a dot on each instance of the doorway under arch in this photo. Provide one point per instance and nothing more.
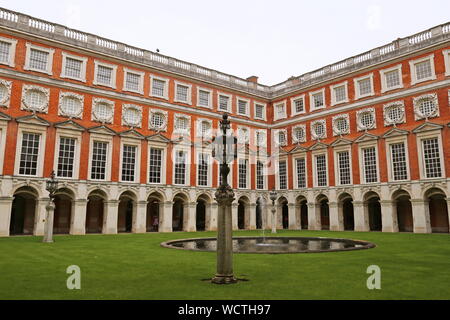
(23, 211)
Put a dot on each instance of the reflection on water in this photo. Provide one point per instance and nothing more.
(275, 245)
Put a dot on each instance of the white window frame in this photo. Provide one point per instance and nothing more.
(187, 173)
(230, 99)
(12, 51)
(112, 84)
(315, 182)
(276, 115)
(166, 87)
(384, 87)
(396, 140)
(366, 145)
(333, 93)
(83, 60)
(3, 133)
(446, 54)
(294, 170)
(412, 68)
(336, 151)
(429, 135)
(100, 138)
(293, 109)
(209, 106)
(263, 132)
(264, 105)
(64, 133)
(312, 106)
(163, 148)
(239, 134)
(137, 164)
(210, 165)
(141, 80)
(247, 101)
(199, 132)
(247, 182)
(185, 132)
(35, 129)
(50, 52)
(189, 92)
(264, 174)
(356, 84)
(276, 137)
(277, 175)
(294, 136)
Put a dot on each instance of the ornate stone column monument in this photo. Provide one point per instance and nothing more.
(223, 152)
(273, 196)
(51, 187)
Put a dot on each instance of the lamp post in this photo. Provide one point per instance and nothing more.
(51, 187)
(273, 197)
(224, 153)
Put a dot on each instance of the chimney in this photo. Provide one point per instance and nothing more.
(253, 79)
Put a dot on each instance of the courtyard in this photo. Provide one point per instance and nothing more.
(135, 266)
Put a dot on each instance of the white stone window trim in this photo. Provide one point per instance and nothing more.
(417, 102)
(333, 93)
(264, 105)
(384, 87)
(264, 173)
(179, 131)
(429, 135)
(189, 92)
(247, 101)
(294, 136)
(29, 128)
(277, 173)
(387, 120)
(3, 133)
(209, 106)
(79, 97)
(247, 178)
(100, 138)
(210, 165)
(163, 127)
(412, 68)
(240, 134)
(137, 164)
(166, 87)
(361, 147)
(65, 133)
(187, 173)
(230, 99)
(141, 75)
(12, 51)
(277, 137)
(96, 117)
(293, 108)
(50, 52)
(356, 84)
(360, 126)
(24, 105)
(113, 74)
(313, 124)
(199, 133)
(163, 148)
(314, 154)
(125, 122)
(388, 143)
(6, 100)
(276, 114)
(446, 54)
(312, 106)
(299, 156)
(336, 151)
(83, 60)
(263, 133)
(336, 131)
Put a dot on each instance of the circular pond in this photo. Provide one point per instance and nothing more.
(272, 244)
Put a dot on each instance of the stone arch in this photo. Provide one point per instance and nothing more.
(403, 208)
(155, 210)
(99, 191)
(243, 212)
(203, 212)
(180, 211)
(127, 211)
(301, 212)
(64, 210)
(283, 212)
(323, 211)
(346, 211)
(371, 203)
(95, 209)
(24, 212)
(436, 203)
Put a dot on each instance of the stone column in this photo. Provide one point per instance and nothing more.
(40, 216)
(78, 224)
(361, 216)
(165, 216)
(48, 224)
(292, 218)
(252, 216)
(279, 216)
(5, 215)
(336, 216)
(421, 216)
(110, 211)
(140, 217)
(298, 216)
(234, 213)
(389, 216)
(314, 222)
(212, 224)
(191, 214)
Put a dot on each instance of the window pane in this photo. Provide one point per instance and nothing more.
(38, 59)
(180, 167)
(423, 70)
(344, 167)
(398, 155)
(370, 165)
(73, 68)
(128, 162)
(364, 86)
(104, 75)
(133, 80)
(203, 169)
(259, 175)
(282, 175)
(4, 51)
(158, 87)
(29, 154)
(98, 167)
(321, 170)
(66, 157)
(432, 158)
(243, 173)
(155, 165)
(301, 173)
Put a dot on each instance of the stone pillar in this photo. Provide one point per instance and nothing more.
(111, 211)
(78, 224)
(234, 213)
(361, 216)
(212, 225)
(298, 216)
(165, 216)
(389, 216)
(292, 219)
(279, 216)
(421, 216)
(336, 216)
(48, 224)
(314, 222)
(5, 215)
(252, 216)
(140, 217)
(40, 215)
(190, 213)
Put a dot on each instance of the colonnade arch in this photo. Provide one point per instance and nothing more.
(23, 211)
(373, 207)
(438, 210)
(64, 209)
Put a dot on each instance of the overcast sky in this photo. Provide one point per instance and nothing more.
(271, 39)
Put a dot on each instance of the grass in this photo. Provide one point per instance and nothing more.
(134, 266)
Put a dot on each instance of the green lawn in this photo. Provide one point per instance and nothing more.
(134, 266)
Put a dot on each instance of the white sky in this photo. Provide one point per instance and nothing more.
(271, 39)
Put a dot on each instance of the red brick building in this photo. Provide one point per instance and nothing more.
(357, 145)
